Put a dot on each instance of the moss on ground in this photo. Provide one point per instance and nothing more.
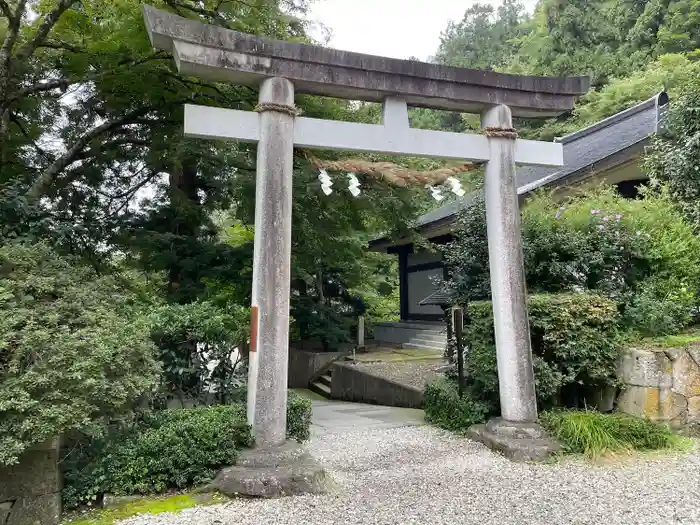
(153, 505)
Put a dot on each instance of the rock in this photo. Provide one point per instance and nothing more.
(516, 441)
(693, 350)
(274, 472)
(657, 404)
(686, 376)
(5, 510)
(645, 368)
(694, 410)
(36, 510)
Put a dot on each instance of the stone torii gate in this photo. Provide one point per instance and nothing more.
(279, 69)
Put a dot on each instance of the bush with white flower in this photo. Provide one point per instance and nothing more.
(640, 253)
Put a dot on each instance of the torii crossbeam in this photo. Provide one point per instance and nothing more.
(279, 69)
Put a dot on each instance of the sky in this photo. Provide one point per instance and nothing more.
(391, 28)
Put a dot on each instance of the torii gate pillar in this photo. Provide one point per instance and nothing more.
(267, 370)
(516, 382)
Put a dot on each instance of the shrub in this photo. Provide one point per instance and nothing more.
(199, 348)
(74, 349)
(444, 407)
(593, 433)
(299, 412)
(168, 449)
(631, 245)
(649, 313)
(575, 344)
(597, 242)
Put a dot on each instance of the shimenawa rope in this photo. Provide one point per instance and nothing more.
(279, 108)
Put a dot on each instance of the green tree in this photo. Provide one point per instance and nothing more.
(484, 38)
(571, 38)
(669, 72)
(674, 159)
(74, 349)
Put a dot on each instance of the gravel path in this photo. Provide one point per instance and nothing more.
(413, 373)
(423, 476)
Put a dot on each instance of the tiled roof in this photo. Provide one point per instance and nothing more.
(438, 298)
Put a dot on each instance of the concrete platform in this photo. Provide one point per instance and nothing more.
(340, 417)
(395, 355)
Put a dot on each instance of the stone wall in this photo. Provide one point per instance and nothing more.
(305, 366)
(30, 491)
(349, 383)
(662, 384)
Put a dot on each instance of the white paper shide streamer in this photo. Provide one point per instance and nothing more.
(451, 184)
(455, 187)
(326, 182)
(353, 185)
(436, 192)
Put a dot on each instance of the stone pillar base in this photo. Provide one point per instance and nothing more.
(273, 472)
(516, 441)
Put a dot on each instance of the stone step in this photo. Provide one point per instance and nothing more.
(320, 389)
(405, 335)
(408, 346)
(429, 337)
(430, 342)
(416, 325)
(325, 379)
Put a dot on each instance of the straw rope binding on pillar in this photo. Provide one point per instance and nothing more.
(389, 172)
(503, 133)
(280, 108)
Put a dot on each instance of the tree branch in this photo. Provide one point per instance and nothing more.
(59, 164)
(6, 12)
(60, 44)
(64, 83)
(16, 120)
(42, 86)
(13, 25)
(214, 15)
(128, 195)
(84, 154)
(27, 50)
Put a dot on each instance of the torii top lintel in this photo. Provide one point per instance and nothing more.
(214, 53)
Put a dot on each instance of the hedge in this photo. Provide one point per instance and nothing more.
(169, 449)
(575, 343)
(444, 408)
(299, 414)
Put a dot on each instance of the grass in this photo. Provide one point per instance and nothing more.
(674, 341)
(152, 505)
(594, 434)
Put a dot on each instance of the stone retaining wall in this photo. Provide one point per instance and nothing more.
(350, 383)
(30, 491)
(305, 366)
(662, 384)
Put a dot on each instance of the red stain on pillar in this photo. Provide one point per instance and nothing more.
(254, 328)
